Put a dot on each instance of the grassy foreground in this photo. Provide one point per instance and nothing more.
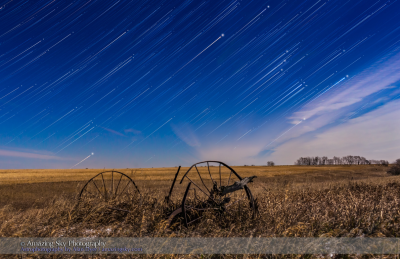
(294, 201)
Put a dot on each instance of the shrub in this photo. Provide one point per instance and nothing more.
(395, 169)
(397, 163)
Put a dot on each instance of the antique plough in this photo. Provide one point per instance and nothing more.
(210, 185)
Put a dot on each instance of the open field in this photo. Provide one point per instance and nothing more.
(26, 188)
(294, 201)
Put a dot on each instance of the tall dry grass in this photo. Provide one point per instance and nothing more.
(325, 206)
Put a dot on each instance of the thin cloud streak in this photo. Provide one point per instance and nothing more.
(186, 134)
(113, 131)
(380, 76)
(10, 153)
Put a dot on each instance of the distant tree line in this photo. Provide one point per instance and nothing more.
(346, 160)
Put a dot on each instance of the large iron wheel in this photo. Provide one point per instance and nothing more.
(206, 182)
(111, 189)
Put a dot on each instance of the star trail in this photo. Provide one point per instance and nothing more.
(168, 83)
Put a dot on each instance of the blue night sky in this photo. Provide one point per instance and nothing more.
(121, 84)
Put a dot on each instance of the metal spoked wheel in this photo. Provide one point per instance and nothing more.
(209, 188)
(111, 189)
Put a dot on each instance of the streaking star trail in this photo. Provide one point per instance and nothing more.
(83, 160)
(178, 81)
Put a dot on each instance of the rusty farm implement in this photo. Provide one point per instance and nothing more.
(208, 186)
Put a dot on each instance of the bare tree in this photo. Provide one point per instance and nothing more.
(349, 160)
(309, 160)
(270, 163)
(363, 161)
(324, 160)
(357, 160)
(337, 160)
(314, 160)
(374, 162)
(346, 160)
(384, 162)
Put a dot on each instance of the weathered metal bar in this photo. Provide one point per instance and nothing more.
(236, 186)
(183, 204)
(172, 216)
(172, 186)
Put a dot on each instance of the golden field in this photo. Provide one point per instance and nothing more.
(27, 187)
(293, 201)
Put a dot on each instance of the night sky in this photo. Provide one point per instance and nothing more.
(121, 84)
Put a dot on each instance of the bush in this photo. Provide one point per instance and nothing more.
(395, 169)
(397, 163)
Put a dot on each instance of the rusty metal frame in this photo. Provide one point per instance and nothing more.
(248, 192)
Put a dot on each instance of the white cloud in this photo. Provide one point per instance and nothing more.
(379, 76)
(375, 135)
(187, 134)
(339, 103)
(232, 155)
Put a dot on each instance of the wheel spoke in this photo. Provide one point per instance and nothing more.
(200, 188)
(195, 220)
(116, 190)
(208, 166)
(97, 188)
(105, 195)
(105, 189)
(91, 193)
(201, 179)
(220, 178)
(229, 177)
(112, 183)
(212, 200)
(194, 192)
(125, 187)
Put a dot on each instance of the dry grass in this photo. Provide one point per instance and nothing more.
(343, 201)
